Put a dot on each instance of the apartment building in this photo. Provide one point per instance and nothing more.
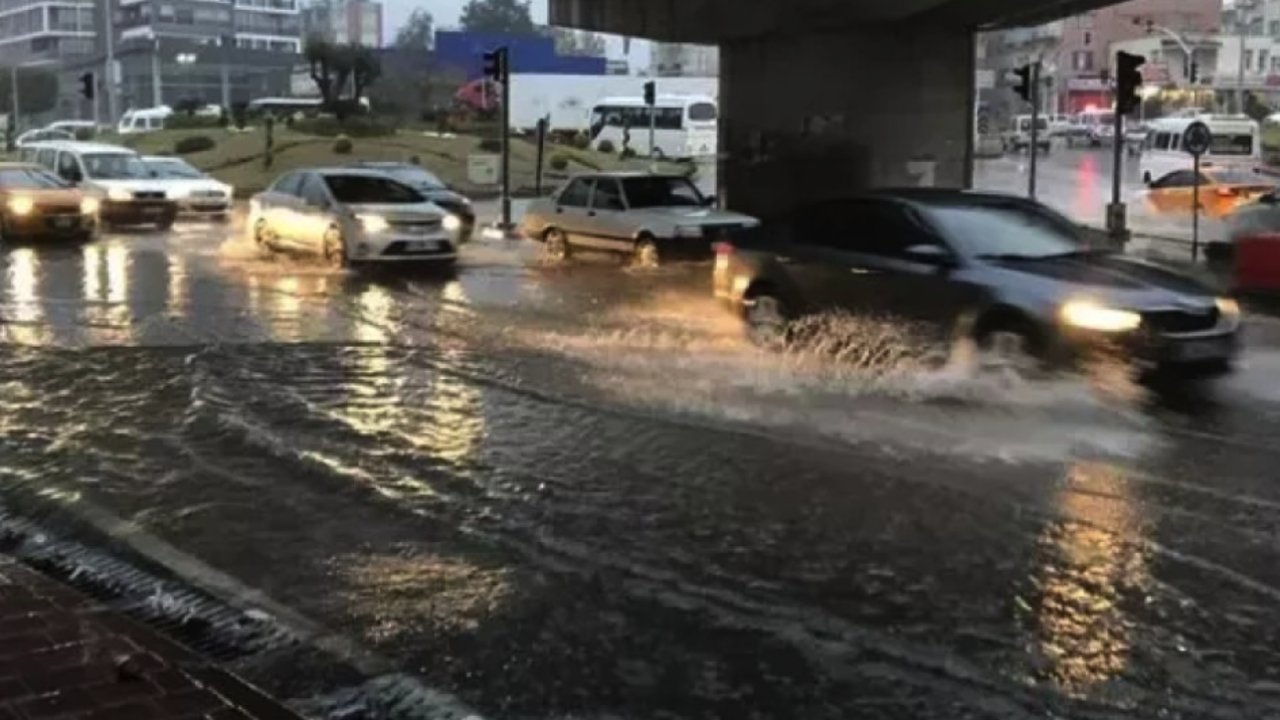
(36, 31)
(345, 21)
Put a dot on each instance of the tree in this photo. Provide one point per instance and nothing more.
(365, 70)
(418, 32)
(319, 53)
(573, 42)
(498, 16)
(37, 90)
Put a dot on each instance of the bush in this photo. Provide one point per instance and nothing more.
(193, 144)
(580, 140)
(606, 146)
(559, 162)
(189, 122)
(343, 145)
(492, 145)
(355, 127)
(626, 154)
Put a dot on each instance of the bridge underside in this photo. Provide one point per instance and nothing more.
(820, 98)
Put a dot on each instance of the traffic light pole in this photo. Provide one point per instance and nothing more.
(1035, 129)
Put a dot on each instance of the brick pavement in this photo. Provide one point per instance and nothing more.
(64, 657)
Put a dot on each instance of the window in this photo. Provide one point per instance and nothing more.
(1236, 144)
(1082, 60)
(576, 193)
(68, 167)
(46, 157)
(1088, 38)
(1175, 179)
(29, 178)
(312, 191)
(607, 195)
(288, 184)
(1274, 28)
(1263, 57)
(702, 112)
(659, 191)
(1275, 64)
(1007, 229)
(1248, 58)
(364, 189)
(1162, 140)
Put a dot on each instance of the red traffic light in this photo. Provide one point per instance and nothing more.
(87, 85)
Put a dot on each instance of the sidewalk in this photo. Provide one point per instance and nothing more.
(63, 657)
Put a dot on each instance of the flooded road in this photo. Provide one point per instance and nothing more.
(574, 491)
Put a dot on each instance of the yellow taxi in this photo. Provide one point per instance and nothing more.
(1222, 191)
(36, 204)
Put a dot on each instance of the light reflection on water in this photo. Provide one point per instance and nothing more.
(1081, 626)
(24, 324)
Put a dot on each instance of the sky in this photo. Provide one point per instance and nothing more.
(447, 12)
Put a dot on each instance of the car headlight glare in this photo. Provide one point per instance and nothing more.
(1228, 308)
(452, 223)
(21, 205)
(1092, 316)
(119, 194)
(688, 231)
(89, 206)
(373, 223)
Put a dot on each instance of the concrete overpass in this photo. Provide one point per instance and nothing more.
(823, 97)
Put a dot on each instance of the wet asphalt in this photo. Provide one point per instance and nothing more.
(575, 491)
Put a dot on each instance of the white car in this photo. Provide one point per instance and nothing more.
(349, 215)
(31, 137)
(196, 193)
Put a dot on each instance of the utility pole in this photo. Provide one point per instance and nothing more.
(109, 72)
(1035, 128)
(497, 67)
(224, 49)
(651, 101)
(157, 91)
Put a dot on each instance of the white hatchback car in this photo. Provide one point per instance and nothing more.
(348, 215)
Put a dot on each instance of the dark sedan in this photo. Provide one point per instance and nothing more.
(456, 205)
(1005, 271)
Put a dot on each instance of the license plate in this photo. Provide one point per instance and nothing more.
(421, 246)
(1202, 350)
(62, 222)
(152, 210)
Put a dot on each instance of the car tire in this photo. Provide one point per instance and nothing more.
(333, 249)
(767, 318)
(1009, 342)
(263, 238)
(646, 253)
(555, 245)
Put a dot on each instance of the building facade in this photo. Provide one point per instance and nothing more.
(345, 21)
(40, 31)
(684, 60)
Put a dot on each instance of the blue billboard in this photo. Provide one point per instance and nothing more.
(529, 54)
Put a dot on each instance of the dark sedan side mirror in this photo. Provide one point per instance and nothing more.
(931, 254)
(711, 201)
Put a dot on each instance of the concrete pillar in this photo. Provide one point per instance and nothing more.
(819, 115)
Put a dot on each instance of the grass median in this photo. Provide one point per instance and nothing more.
(237, 157)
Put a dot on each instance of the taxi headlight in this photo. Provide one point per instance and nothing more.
(452, 223)
(1092, 316)
(89, 206)
(21, 205)
(119, 194)
(372, 223)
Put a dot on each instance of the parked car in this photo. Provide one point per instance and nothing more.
(31, 137)
(461, 218)
(1008, 272)
(349, 215)
(127, 191)
(648, 216)
(196, 193)
(35, 204)
(1223, 190)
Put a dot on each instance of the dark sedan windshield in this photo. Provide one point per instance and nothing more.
(1012, 230)
(645, 192)
(371, 189)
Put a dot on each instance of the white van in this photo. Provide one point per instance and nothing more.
(1019, 136)
(1237, 140)
(143, 121)
(128, 191)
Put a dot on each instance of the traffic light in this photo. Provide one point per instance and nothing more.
(1128, 82)
(1023, 88)
(650, 93)
(1193, 72)
(87, 85)
(495, 65)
